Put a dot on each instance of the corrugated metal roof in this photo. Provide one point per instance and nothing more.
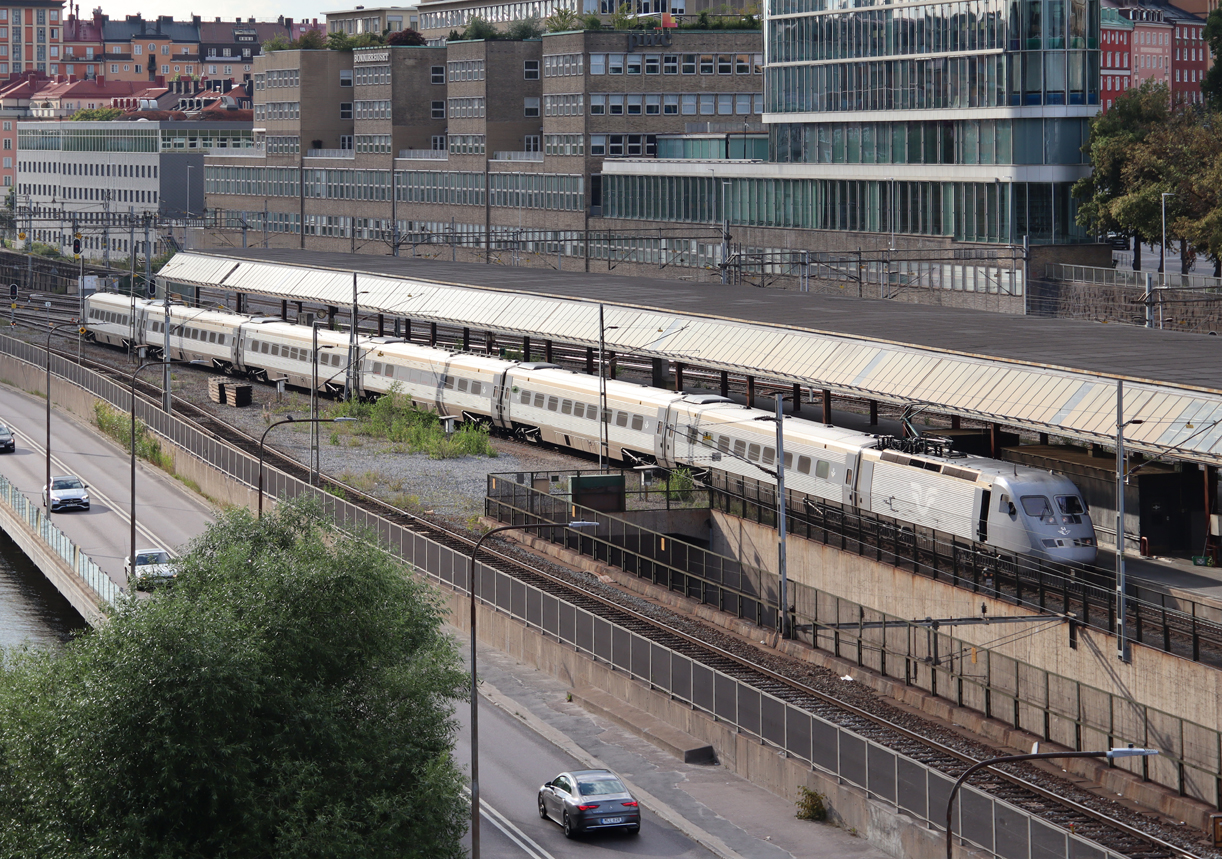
(1179, 421)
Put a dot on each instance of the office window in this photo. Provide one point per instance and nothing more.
(439, 110)
(437, 74)
(530, 106)
(598, 104)
(653, 104)
(615, 64)
(615, 104)
(689, 104)
(707, 62)
(725, 103)
(598, 64)
(742, 103)
(345, 77)
(670, 104)
(708, 103)
(689, 64)
(670, 64)
(653, 64)
(165, 50)
(632, 65)
(530, 70)
(136, 50)
(634, 101)
(345, 110)
(725, 64)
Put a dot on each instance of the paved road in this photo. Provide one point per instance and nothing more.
(166, 514)
(513, 762)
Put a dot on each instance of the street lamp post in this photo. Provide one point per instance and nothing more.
(1162, 266)
(132, 508)
(779, 474)
(290, 420)
(74, 323)
(474, 690)
(314, 402)
(1110, 754)
(1122, 476)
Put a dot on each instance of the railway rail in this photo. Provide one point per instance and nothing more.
(1038, 792)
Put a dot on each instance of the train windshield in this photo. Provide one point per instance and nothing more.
(1071, 505)
(1037, 507)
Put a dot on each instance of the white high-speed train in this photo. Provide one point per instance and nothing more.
(1009, 507)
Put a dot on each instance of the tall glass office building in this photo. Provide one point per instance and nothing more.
(957, 120)
(963, 120)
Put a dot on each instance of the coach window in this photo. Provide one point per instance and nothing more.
(804, 464)
(553, 403)
(822, 469)
(753, 452)
(769, 456)
(638, 422)
(566, 407)
(621, 419)
(579, 410)
(740, 448)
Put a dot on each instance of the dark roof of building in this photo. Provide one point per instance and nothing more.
(1118, 351)
(125, 31)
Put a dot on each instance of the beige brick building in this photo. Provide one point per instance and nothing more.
(531, 121)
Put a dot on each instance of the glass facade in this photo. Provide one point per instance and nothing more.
(965, 211)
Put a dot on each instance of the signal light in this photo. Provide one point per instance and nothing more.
(76, 246)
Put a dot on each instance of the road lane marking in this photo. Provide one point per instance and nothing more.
(528, 845)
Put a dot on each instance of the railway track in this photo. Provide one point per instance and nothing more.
(1038, 792)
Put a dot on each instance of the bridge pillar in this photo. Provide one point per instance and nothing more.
(432, 333)
(750, 392)
(725, 383)
(873, 413)
(660, 372)
(612, 365)
(300, 309)
(995, 440)
(590, 360)
(1210, 474)
(954, 422)
(1043, 438)
(525, 348)
(284, 308)
(398, 327)
(330, 315)
(381, 325)
(466, 339)
(797, 399)
(547, 351)
(678, 377)
(827, 407)
(490, 342)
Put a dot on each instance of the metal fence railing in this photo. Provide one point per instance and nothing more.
(922, 654)
(58, 542)
(997, 827)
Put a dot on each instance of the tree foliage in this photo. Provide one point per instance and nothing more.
(562, 21)
(290, 696)
(406, 37)
(1211, 84)
(527, 28)
(97, 114)
(478, 28)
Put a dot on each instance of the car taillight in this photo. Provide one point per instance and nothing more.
(586, 807)
(630, 803)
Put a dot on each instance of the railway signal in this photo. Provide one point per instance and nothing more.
(76, 247)
(12, 292)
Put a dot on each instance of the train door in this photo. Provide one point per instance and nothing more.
(865, 474)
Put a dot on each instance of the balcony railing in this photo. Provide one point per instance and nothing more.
(425, 154)
(330, 153)
(517, 156)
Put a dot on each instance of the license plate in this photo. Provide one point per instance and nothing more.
(610, 820)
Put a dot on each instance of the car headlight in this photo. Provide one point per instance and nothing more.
(85, 498)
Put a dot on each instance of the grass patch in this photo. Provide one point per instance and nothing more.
(679, 485)
(394, 418)
(118, 425)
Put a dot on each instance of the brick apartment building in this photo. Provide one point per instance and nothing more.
(532, 121)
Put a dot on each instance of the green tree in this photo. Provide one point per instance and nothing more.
(624, 17)
(1115, 138)
(338, 41)
(310, 40)
(478, 28)
(527, 28)
(278, 42)
(562, 21)
(97, 114)
(1211, 84)
(406, 37)
(291, 696)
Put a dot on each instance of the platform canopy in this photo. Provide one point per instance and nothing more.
(1178, 421)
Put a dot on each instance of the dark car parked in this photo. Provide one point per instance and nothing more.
(588, 800)
(8, 444)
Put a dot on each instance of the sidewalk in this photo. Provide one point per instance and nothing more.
(731, 817)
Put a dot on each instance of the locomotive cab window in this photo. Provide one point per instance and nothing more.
(1071, 509)
(1037, 507)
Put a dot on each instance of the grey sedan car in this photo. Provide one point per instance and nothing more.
(588, 800)
(67, 493)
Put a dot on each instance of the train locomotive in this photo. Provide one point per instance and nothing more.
(1005, 506)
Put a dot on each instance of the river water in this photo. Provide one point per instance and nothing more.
(31, 610)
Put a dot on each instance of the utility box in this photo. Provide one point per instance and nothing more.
(602, 492)
(1215, 829)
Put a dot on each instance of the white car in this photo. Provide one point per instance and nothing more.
(153, 567)
(67, 493)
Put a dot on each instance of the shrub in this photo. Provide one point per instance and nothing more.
(811, 804)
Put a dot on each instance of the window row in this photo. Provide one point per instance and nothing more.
(252, 181)
(674, 64)
(371, 109)
(674, 104)
(466, 70)
(569, 104)
(1049, 140)
(466, 144)
(278, 78)
(373, 143)
(466, 108)
(992, 80)
(563, 65)
(283, 145)
(964, 211)
(322, 184)
(537, 191)
(278, 110)
(564, 144)
(623, 145)
(372, 75)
